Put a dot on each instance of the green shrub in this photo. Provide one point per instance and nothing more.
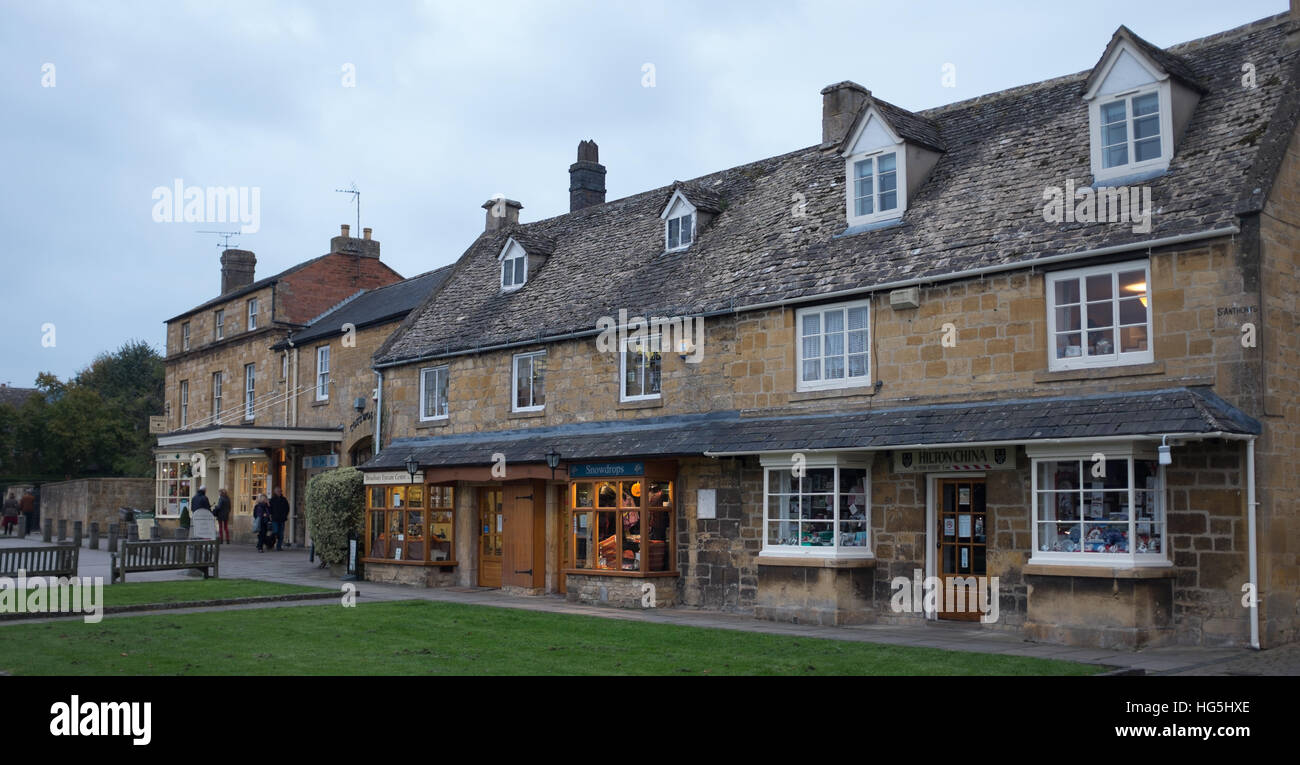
(185, 518)
(335, 504)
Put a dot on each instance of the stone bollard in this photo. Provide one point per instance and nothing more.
(47, 529)
(182, 533)
(94, 535)
(63, 529)
(112, 537)
(76, 533)
(155, 533)
(132, 532)
(22, 526)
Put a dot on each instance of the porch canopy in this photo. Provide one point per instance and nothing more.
(1186, 413)
(247, 437)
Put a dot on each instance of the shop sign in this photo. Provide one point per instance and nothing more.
(157, 424)
(606, 469)
(320, 461)
(955, 460)
(392, 476)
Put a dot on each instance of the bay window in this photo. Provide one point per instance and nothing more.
(816, 506)
(1099, 316)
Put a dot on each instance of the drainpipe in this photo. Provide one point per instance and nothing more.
(1253, 546)
(379, 409)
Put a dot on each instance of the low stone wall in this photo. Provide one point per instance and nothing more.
(621, 591)
(1093, 612)
(415, 576)
(94, 500)
(816, 594)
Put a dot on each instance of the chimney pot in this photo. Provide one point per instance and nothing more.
(365, 233)
(841, 103)
(345, 228)
(586, 178)
(501, 212)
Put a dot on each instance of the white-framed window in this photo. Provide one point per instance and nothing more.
(250, 385)
(433, 393)
(1099, 316)
(834, 346)
(284, 365)
(875, 173)
(185, 336)
(323, 373)
(185, 402)
(173, 488)
(528, 382)
(1102, 504)
(679, 223)
(875, 186)
(818, 507)
(640, 369)
(219, 324)
(1131, 116)
(514, 266)
(252, 314)
(216, 396)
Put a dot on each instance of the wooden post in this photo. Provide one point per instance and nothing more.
(76, 533)
(47, 529)
(94, 535)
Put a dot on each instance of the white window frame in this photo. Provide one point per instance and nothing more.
(1118, 358)
(652, 348)
(1159, 83)
(444, 371)
(250, 391)
(514, 382)
(219, 323)
(217, 381)
(186, 484)
(185, 336)
(900, 185)
(252, 314)
(511, 254)
(835, 383)
(322, 373)
(858, 461)
(1085, 453)
(284, 365)
(185, 402)
(680, 209)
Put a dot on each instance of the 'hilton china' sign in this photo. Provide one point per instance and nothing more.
(954, 460)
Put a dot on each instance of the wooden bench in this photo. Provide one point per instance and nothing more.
(57, 560)
(134, 557)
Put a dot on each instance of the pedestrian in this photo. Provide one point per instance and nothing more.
(262, 521)
(222, 512)
(279, 516)
(28, 508)
(10, 513)
(201, 501)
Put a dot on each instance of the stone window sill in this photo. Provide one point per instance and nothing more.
(650, 403)
(1101, 373)
(628, 574)
(1100, 572)
(527, 415)
(326, 402)
(811, 562)
(427, 424)
(865, 391)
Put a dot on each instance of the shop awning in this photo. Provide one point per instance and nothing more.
(247, 437)
(1179, 412)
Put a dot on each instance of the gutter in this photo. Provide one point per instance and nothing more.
(1017, 442)
(379, 410)
(918, 281)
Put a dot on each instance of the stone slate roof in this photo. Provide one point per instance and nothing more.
(1149, 413)
(981, 206)
(16, 397)
(377, 306)
(910, 126)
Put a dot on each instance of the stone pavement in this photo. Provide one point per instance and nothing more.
(292, 567)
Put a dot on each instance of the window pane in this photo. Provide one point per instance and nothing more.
(1147, 149)
(811, 348)
(1148, 104)
(507, 274)
(858, 365)
(630, 496)
(886, 163)
(888, 200)
(658, 540)
(582, 540)
(1131, 311)
(834, 344)
(812, 370)
(661, 494)
(674, 232)
(583, 495)
(520, 264)
(1101, 343)
(632, 541)
(1146, 127)
(812, 323)
(539, 380)
(1067, 318)
(523, 377)
(1099, 287)
(1067, 291)
(1112, 112)
(606, 494)
(1100, 314)
(835, 368)
(821, 534)
(1115, 156)
(687, 224)
(858, 317)
(1133, 338)
(1112, 135)
(607, 546)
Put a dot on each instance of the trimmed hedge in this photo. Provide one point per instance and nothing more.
(335, 506)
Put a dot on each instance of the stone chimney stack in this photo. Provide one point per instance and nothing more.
(1293, 33)
(501, 212)
(237, 268)
(841, 103)
(350, 245)
(586, 178)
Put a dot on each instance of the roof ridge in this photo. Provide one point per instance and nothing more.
(336, 306)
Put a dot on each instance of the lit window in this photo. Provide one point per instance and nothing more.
(433, 393)
(640, 370)
(528, 384)
(875, 185)
(834, 346)
(252, 314)
(822, 510)
(413, 523)
(249, 386)
(623, 525)
(173, 488)
(323, 373)
(514, 267)
(220, 321)
(1099, 316)
(1083, 517)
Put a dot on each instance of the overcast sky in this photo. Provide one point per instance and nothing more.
(451, 104)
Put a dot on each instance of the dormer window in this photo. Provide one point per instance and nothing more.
(514, 266)
(679, 223)
(888, 153)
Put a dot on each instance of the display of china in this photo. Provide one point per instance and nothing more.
(1073, 350)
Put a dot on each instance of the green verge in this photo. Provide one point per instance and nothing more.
(429, 638)
(137, 593)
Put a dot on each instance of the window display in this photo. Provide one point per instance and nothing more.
(174, 488)
(410, 523)
(622, 525)
(1110, 507)
(825, 507)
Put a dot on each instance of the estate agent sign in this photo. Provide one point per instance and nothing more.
(955, 459)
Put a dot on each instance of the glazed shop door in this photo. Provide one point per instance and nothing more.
(519, 565)
(490, 528)
(962, 545)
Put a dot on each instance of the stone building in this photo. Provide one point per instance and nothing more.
(233, 393)
(1043, 336)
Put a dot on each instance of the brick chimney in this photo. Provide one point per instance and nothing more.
(841, 103)
(237, 268)
(346, 243)
(586, 178)
(501, 213)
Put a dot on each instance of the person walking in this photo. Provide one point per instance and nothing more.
(10, 513)
(262, 521)
(279, 516)
(27, 506)
(201, 501)
(222, 512)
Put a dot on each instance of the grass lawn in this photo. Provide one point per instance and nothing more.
(134, 593)
(427, 638)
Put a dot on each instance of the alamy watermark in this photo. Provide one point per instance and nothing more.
(948, 594)
(683, 335)
(212, 204)
(53, 595)
(1104, 204)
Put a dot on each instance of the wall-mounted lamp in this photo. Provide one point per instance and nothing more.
(552, 461)
(412, 466)
(1166, 458)
(685, 348)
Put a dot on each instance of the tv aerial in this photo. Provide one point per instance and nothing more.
(356, 197)
(225, 235)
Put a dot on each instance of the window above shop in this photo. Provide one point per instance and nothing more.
(433, 393)
(252, 314)
(640, 369)
(834, 346)
(219, 323)
(817, 506)
(528, 382)
(185, 336)
(323, 373)
(1099, 316)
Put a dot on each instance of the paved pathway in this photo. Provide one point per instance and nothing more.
(293, 567)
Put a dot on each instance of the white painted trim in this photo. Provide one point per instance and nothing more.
(845, 382)
(224, 433)
(900, 185)
(835, 551)
(501, 258)
(652, 341)
(1155, 70)
(677, 195)
(514, 382)
(446, 368)
(1165, 110)
(1117, 359)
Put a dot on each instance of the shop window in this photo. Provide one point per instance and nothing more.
(623, 525)
(174, 488)
(819, 508)
(1101, 508)
(834, 346)
(1099, 316)
(413, 524)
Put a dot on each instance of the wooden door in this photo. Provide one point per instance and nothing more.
(490, 534)
(519, 564)
(963, 546)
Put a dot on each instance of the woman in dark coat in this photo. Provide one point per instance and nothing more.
(262, 521)
(222, 511)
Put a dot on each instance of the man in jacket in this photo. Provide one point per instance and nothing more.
(279, 516)
(201, 501)
(222, 512)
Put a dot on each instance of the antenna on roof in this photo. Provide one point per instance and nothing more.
(225, 235)
(356, 197)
